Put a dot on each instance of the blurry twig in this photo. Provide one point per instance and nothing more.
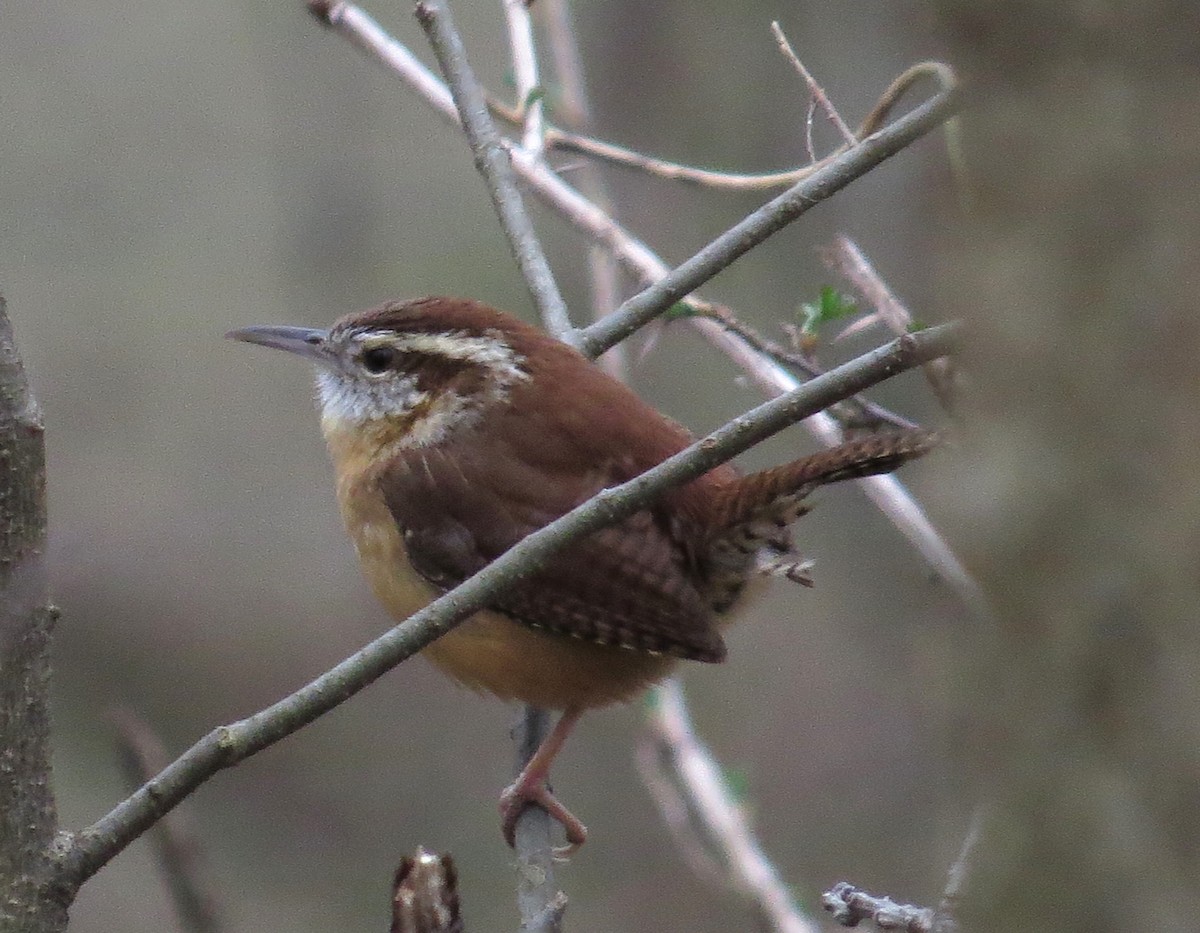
(845, 256)
(142, 755)
(945, 918)
(716, 816)
(853, 413)
(525, 72)
(425, 895)
(814, 89)
(674, 806)
(850, 905)
(574, 108)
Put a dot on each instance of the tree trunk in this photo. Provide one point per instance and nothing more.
(1079, 510)
(27, 817)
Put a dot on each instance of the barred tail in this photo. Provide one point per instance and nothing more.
(759, 496)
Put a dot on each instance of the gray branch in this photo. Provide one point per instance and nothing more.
(94, 846)
(493, 162)
(767, 220)
(537, 889)
(850, 906)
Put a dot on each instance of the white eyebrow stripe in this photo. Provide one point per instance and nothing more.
(489, 350)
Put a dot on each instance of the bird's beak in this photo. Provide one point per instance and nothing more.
(309, 342)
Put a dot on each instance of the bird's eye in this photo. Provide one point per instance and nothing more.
(378, 360)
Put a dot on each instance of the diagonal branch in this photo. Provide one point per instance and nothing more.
(886, 492)
(493, 163)
(720, 819)
(93, 847)
(767, 220)
(142, 755)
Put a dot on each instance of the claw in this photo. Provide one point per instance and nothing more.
(516, 798)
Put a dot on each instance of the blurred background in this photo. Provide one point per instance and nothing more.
(172, 170)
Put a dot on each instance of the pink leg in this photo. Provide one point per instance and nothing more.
(530, 787)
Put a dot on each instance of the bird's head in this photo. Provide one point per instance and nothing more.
(410, 372)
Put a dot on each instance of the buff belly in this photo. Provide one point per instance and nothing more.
(488, 651)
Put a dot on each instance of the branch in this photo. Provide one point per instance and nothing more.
(493, 163)
(28, 821)
(851, 906)
(885, 491)
(226, 745)
(762, 223)
(719, 817)
(142, 755)
(612, 153)
(849, 260)
(525, 72)
(814, 89)
(539, 901)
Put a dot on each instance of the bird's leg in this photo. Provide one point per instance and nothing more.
(530, 787)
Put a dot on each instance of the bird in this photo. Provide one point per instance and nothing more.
(456, 430)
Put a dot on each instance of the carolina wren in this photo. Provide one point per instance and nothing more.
(456, 430)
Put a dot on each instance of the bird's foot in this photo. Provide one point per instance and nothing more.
(518, 795)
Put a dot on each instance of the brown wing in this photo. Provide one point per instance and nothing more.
(460, 507)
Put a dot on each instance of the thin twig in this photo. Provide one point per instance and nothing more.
(885, 491)
(525, 73)
(567, 141)
(945, 918)
(853, 413)
(575, 109)
(810, 114)
(493, 163)
(846, 257)
(769, 219)
(93, 847)
(718, 814)
(814, 89)
(142, 756)
(558, 138)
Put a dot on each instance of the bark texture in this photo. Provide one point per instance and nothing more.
(28, 822)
